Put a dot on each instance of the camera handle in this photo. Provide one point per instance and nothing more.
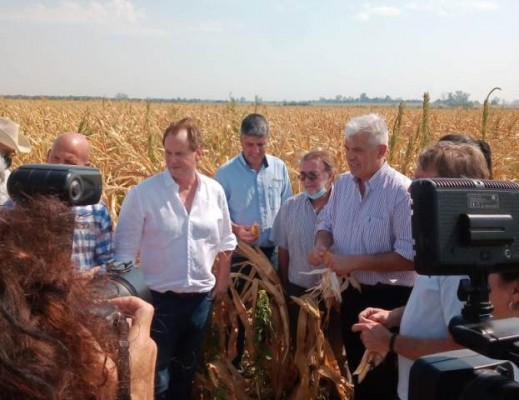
(475, 329)
(474, 292)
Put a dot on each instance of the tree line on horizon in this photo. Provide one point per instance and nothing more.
(457, 98)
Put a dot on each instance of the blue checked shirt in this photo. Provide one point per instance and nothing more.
(92, 242)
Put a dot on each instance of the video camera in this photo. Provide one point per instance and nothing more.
(77, 186)
(468, 227)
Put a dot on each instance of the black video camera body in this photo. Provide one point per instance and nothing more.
(74, 185)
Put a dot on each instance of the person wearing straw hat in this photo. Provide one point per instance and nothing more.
(11, 141)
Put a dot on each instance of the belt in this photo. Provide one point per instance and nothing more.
(183, 295)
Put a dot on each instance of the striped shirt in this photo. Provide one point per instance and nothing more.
(294, 230)
(92, 242)
(379, 222)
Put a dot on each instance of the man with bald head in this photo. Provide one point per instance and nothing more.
(92, 244)
(70, 148)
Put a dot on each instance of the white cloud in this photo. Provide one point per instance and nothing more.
(117, 16)
(453, 7)
(368, 11)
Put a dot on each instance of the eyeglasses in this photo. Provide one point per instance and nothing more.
(312, 175)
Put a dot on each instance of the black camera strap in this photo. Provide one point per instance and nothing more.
(123, 368)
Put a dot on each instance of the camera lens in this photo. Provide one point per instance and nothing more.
(76, 189)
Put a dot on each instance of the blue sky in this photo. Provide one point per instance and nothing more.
(284, 49)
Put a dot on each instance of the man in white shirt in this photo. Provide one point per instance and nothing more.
(178, 221)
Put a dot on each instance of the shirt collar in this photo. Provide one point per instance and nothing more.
(377, 179)
(242, 159)
(169, 181)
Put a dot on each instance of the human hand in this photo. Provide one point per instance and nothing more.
(375, 314)
(374, 336)
(248, 233)
(317, 255)
(336, 263)
(220, 289)
(143, 350)
(91, 273)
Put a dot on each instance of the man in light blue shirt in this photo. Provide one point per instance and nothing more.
(255, 184)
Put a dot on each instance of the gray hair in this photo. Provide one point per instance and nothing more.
(372, 124)
(254, 125)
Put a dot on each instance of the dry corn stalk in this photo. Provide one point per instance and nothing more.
(330, 287)
(370, 360)
(223, 372)
(314, 358)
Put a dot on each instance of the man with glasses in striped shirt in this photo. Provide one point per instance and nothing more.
(366, 231)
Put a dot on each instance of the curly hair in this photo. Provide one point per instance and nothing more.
(54, 342)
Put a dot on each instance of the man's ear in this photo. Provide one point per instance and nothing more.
(199, 152)
(48, 154)
(515, 294)
(382, 150)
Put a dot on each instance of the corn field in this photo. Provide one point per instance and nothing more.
(126, 147)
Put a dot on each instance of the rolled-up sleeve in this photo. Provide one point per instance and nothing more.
(279, 235)
(287, 186)
(227, 238)
(326, 217)
(128, 234)
(401, 222)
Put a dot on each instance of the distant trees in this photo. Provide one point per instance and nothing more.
(458, 99)
(362, 99)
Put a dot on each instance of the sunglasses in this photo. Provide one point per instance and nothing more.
(312, 175)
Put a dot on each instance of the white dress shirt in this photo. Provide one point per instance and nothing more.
(4, 196)
(177, 250)
(432, 304)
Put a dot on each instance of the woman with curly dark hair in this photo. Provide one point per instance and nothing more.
(55, 341)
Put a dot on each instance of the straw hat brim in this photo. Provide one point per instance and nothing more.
(22, 146)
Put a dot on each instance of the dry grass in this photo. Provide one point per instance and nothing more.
(126, 136)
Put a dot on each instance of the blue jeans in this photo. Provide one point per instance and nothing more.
(178, 328)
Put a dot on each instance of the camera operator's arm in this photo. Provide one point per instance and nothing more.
(129, 228)
(143, 350)
(222, 274)
(377, 337)
(414, 348)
